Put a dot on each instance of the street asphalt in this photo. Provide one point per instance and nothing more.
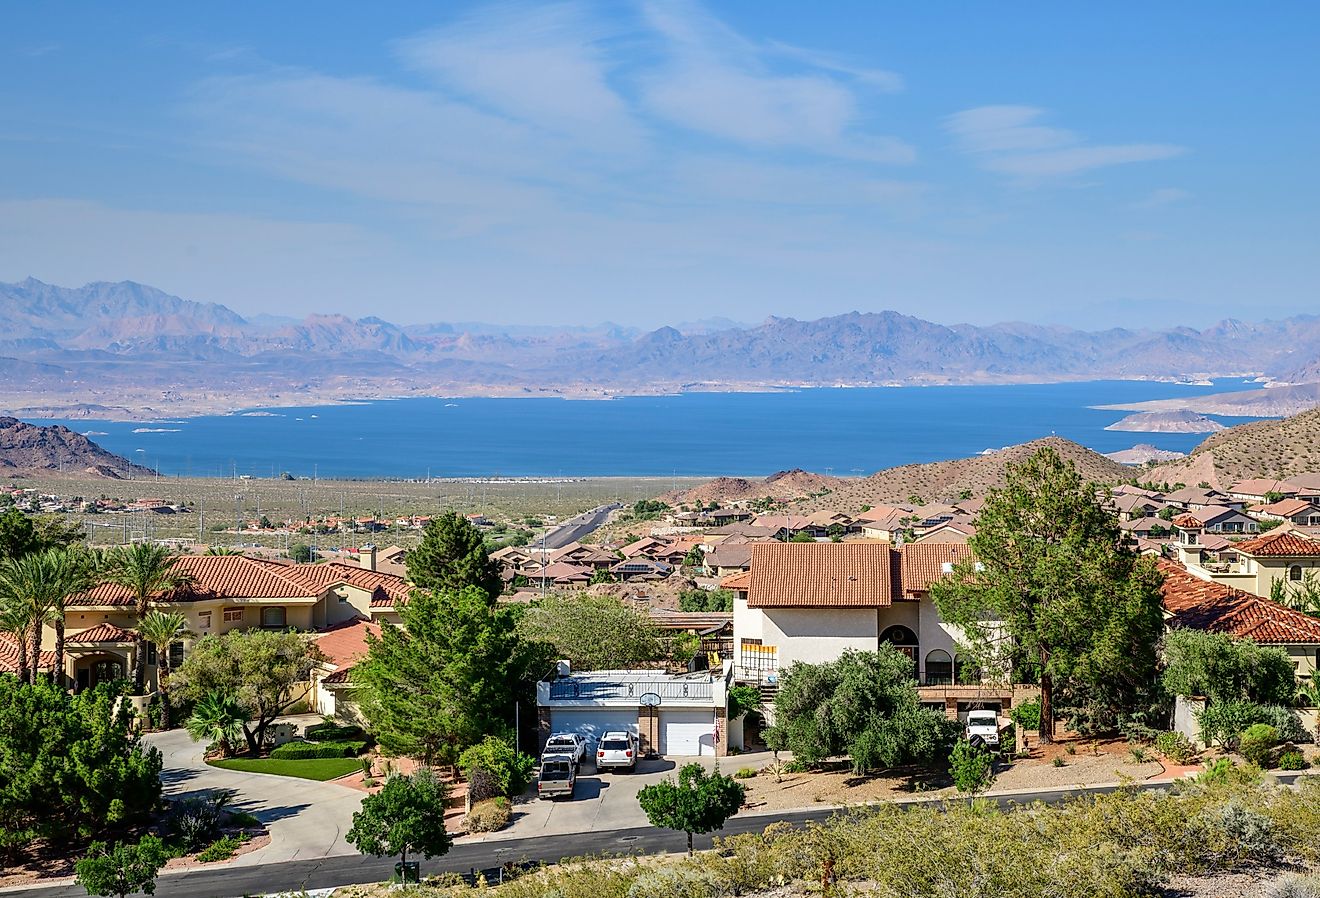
(488, 857)
(577, 527)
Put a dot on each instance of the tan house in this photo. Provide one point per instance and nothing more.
(224, 592)
(1284, 554)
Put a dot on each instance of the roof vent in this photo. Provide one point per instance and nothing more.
(563, 668)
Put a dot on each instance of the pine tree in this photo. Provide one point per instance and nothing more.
(452, 555)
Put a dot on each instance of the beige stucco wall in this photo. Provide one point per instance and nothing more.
(813, 635)
(1303, 658)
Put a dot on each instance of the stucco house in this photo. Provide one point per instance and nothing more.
(223, 593)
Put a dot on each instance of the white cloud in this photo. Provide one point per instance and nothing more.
(1164, 196)
(717, 83)
(543, 65)
(1008, 140)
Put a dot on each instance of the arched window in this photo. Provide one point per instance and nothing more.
(902, 639)
(939, 668)
(1295, 573)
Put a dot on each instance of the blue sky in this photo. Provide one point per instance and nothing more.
(652, 163)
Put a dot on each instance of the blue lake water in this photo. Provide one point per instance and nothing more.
(845, 431)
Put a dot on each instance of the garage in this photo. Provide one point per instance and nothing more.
(687, 732)
(594, 723)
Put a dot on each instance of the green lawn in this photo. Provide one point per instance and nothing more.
(309, 769)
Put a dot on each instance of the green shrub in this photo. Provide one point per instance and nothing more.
(1224, 772)
(1137, 754)
(1176, 747)
(489, 816)
(507, 770)
(243, 819)
(796, 767)
(1027, 714)
(1257, 744)
(333, 732)
(1224, 722)
(1059, 762)
(1292, 759)
(221, 849)
(302, 751)
(1295, 886)
(745, 773)
(195, 822)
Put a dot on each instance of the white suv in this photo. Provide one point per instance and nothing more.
(617, 749)
(984, 724)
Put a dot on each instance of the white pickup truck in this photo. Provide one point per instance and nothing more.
(984, 724)
(571, 744)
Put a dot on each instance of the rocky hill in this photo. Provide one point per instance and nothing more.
(134, 347)
(931, 482)
(1278, 449)
(29, 447)
(1167, 422)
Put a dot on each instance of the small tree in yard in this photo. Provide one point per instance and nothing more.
(699, 802)
(593, 632)
(407, 815)
(258, 668)
(972, 768)
(122, 870)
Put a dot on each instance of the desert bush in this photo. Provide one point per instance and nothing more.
(1295, 886)
(489, 816)
(1026, 715)
(243, 819)
(1292, 759)
(1138, 754)
(195, 822)
(1223, 771)
(1257, 744)
(678, 881)
(301, 751)
(1224, 722)
(1175, 747)
(509, 769)
(222, 849)
(745, 773)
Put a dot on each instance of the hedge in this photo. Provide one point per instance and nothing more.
(298, 751)
(332, 732)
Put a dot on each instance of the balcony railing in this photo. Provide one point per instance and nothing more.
(572, 689)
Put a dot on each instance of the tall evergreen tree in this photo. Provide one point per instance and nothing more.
(447, 677)
(1056, 593)
(452, 555)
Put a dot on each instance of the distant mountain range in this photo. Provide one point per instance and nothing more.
(129, 350)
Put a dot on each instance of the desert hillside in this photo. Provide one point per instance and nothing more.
(932, 482)
(30, 447)
(1281, 449)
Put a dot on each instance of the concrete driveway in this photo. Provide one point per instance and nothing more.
(306, 819)
(601, 802)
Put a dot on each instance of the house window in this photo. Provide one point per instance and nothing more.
(272, 617)
(902, 639)
(233, 615)
(151, 654)
(939, 668)
(204, 620)
(755, 657)
(176, 654)
(343, 600)
(1295, 573)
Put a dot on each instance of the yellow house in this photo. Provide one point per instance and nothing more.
(223, 593)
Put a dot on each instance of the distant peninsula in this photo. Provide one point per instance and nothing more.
(1183, 421)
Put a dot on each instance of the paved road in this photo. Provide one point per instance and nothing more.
(231, 881)
(578, 527)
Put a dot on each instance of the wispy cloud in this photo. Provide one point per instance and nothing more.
(715, 82)
(1009, 140)
(1164, 196)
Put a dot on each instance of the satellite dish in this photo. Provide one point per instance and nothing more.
(649, 700)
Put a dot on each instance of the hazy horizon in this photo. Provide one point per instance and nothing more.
(653, 164)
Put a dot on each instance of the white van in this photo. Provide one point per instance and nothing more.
(984, 724)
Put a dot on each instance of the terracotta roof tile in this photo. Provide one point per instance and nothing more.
(923, 563)
(1280, 542)
(821, 575)
(1216, 608)
(738, 581)
(345, 644)
(103, 632)
(9, 654)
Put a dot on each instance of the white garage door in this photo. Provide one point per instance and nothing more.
(593, 724)
(687, 732)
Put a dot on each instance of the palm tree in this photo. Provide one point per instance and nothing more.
(75, 572)
(15, 620)
(162, 629)
(145, 570)
(217, 717)
(35, 587)
(222, 550)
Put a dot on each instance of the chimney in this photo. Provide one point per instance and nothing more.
(367, 557)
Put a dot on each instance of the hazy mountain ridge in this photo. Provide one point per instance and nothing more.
(138, 348)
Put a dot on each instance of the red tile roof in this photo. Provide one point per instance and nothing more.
(242, 577)
(1281, 542)
(1216, 608)
(738, 581)
(821, 575)
(103, 632)
(9, 654)
(343, 646)
(923, 563)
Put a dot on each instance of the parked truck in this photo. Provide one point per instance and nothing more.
(557, 777)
